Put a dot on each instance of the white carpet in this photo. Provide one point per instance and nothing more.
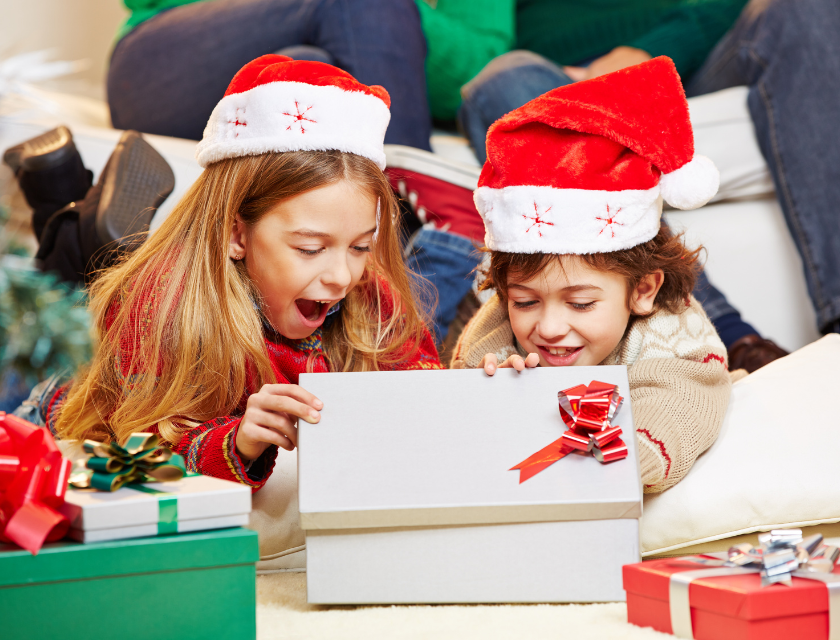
(282, 613)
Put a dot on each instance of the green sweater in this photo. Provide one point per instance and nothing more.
(568, 31)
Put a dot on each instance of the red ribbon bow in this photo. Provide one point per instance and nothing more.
(33, 480)
(587, 411)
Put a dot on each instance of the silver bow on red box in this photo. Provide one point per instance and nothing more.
(781, 555)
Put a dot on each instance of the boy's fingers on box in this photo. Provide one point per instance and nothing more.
(293, 391)
(513, 362)
(489, 363)
(532, 360)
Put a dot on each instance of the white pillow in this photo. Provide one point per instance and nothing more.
(276, 518)
(775, 464)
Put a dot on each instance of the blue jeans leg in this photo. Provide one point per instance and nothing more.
(447, 261)
(168, 73)
(788, 53)
(505, 84)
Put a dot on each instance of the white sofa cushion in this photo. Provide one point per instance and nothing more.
(775, 464)
(275, 516)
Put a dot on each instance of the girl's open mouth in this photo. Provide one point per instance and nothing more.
(559, 356)
(312, 312)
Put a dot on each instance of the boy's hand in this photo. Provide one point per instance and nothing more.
(270, 418)
(490, 363)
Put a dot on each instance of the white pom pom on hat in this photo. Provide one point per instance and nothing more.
(692, 185)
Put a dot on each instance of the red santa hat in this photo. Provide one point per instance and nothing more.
(584, 168)
(277, 104)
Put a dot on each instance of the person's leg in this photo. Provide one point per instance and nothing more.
(447, 261)
(168, 73)
(113, 215)
(306, 52)
(787, 51)
(382, 42)
(505, 84)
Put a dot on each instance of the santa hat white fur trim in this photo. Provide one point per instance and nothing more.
(692, 185)
(295, 116)
(532, 219)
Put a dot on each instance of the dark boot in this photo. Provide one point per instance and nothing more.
(50, 172)
(135, 182)
(113, 218)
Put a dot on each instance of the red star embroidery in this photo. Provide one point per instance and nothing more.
(537, 221)
(299, 117)
(237, 122)
(609, 222)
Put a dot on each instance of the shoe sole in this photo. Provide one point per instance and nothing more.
(136, 182)
(41, 152)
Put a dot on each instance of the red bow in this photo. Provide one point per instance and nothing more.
(587, 411)
(33, 480)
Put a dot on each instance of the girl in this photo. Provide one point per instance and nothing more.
(584, 274)
(282, 258)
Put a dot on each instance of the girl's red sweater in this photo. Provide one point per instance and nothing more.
(210, 448)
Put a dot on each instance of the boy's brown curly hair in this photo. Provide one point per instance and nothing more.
(666, 251)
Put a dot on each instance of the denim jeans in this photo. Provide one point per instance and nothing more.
(447, 261)
(788, 53)
(168, 73)
(508, 82)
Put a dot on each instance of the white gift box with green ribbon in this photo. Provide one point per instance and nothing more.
(193, 503)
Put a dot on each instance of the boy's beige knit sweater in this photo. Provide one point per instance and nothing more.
(679, 384)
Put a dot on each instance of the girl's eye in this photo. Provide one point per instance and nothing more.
(362, 249)
(582, 306)
(524, 305)
(310, 252)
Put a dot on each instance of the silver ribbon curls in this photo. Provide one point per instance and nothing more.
(781, 555)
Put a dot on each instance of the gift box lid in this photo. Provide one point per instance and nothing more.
(60, 561)
(192, 497)
(737, 596)
(424, 448)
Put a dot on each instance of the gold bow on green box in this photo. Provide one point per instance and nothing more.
(111, 466)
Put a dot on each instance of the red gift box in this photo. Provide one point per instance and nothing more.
(732, 607)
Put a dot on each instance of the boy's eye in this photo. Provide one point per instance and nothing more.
(310, 252)
(582, 306)
(524, 305)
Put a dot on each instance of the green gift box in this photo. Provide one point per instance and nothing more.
(196, 585)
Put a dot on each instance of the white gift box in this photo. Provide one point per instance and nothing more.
(406, 493)
(193, 503)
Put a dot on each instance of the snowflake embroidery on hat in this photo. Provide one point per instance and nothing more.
(299, 117)
(609, 222)
(537, 221)
(238, 121)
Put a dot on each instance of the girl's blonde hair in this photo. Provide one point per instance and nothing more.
(185, 313)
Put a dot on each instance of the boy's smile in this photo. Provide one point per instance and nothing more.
(570, 314)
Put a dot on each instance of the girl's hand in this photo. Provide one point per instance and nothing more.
(490, 363)
(270, 418)
(618, 58)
